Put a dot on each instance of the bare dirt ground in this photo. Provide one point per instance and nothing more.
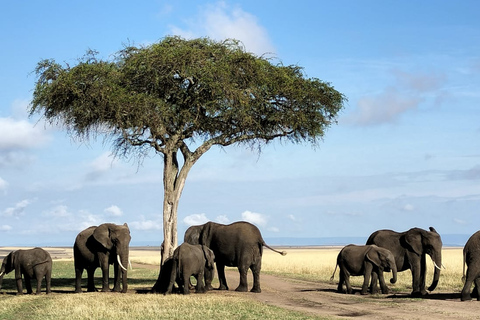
(321, 299)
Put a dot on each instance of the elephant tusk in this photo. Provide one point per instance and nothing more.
(120, 263)
(443, 267)
(1, 274)
(436, 265)
(130, 264)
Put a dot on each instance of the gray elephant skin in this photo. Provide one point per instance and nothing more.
(471, 257)
(239, 244)
(356, 260)
(100, 247)
(410, 249)
(33, 263)
(191, 260)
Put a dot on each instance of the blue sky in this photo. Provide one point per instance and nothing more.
(405, 151)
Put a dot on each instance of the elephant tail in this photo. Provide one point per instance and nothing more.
(283, 253)
(333, 274)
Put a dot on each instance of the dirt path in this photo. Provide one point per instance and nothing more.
(320, 299)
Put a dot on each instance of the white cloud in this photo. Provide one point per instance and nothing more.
(3, 184)
(222, 219)
(20, 135)
(17, 210)
(195, 219)
(410, 89)
(59, 211)
(292, 217)
(386, 107)
(255, 218)
(100, 165)
(5, 227)
(114, 211)
(146, 225)
(220, 21)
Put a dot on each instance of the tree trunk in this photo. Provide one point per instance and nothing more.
(173, 183)
(172, 191)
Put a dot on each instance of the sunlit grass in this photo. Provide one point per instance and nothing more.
(317, 264)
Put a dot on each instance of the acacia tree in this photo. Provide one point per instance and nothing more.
(182, 97)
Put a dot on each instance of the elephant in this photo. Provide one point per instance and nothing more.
(33, 263)
(99, 247)
(471, 257)
(239, 244)
(410, 249)
(192, 260)
(364, 260)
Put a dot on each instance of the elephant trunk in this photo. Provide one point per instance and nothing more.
(437, 262)
(394, 274)
(123, 262)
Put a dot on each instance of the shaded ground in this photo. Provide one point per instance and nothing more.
(320, 299)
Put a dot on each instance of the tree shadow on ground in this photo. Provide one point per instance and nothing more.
(62, 285)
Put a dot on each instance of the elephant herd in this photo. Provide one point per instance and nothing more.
(387, 250)
(240, 245)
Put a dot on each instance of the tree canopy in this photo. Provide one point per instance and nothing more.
(184, 96)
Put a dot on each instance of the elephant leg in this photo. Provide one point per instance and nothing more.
(200, 288)
(383, 285)
(416, 278)
(39, 284)
(347, 283)
(48, 281)
(340, 282)
(116, 278)
(465, 296)
(184, 285)
(374, 283)
(105, 275)
(477, 288)
(20, 285)
(256, 277)
(78, 280)
(28, 284)
(366, 278)
(90, 282)
(208, 276)
(221, 277)
(243, 285)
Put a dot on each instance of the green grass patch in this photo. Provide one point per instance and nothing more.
(64, 304)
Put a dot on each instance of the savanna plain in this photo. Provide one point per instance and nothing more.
(295, 286)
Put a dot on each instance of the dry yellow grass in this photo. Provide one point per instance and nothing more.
(318, 264)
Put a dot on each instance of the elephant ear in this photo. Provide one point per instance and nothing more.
(414, 239)
(209, 257)
(10, 265)
(205, 235)
(102, 235)
(374, 256)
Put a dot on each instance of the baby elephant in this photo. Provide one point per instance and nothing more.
(191, 260)
(363, 260)
(33, 264)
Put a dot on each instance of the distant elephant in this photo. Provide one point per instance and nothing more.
(410, 249)
(239, 244)
(471, 257)
(32, 264)
(191, 260)
(99, 247)
(364, 260)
